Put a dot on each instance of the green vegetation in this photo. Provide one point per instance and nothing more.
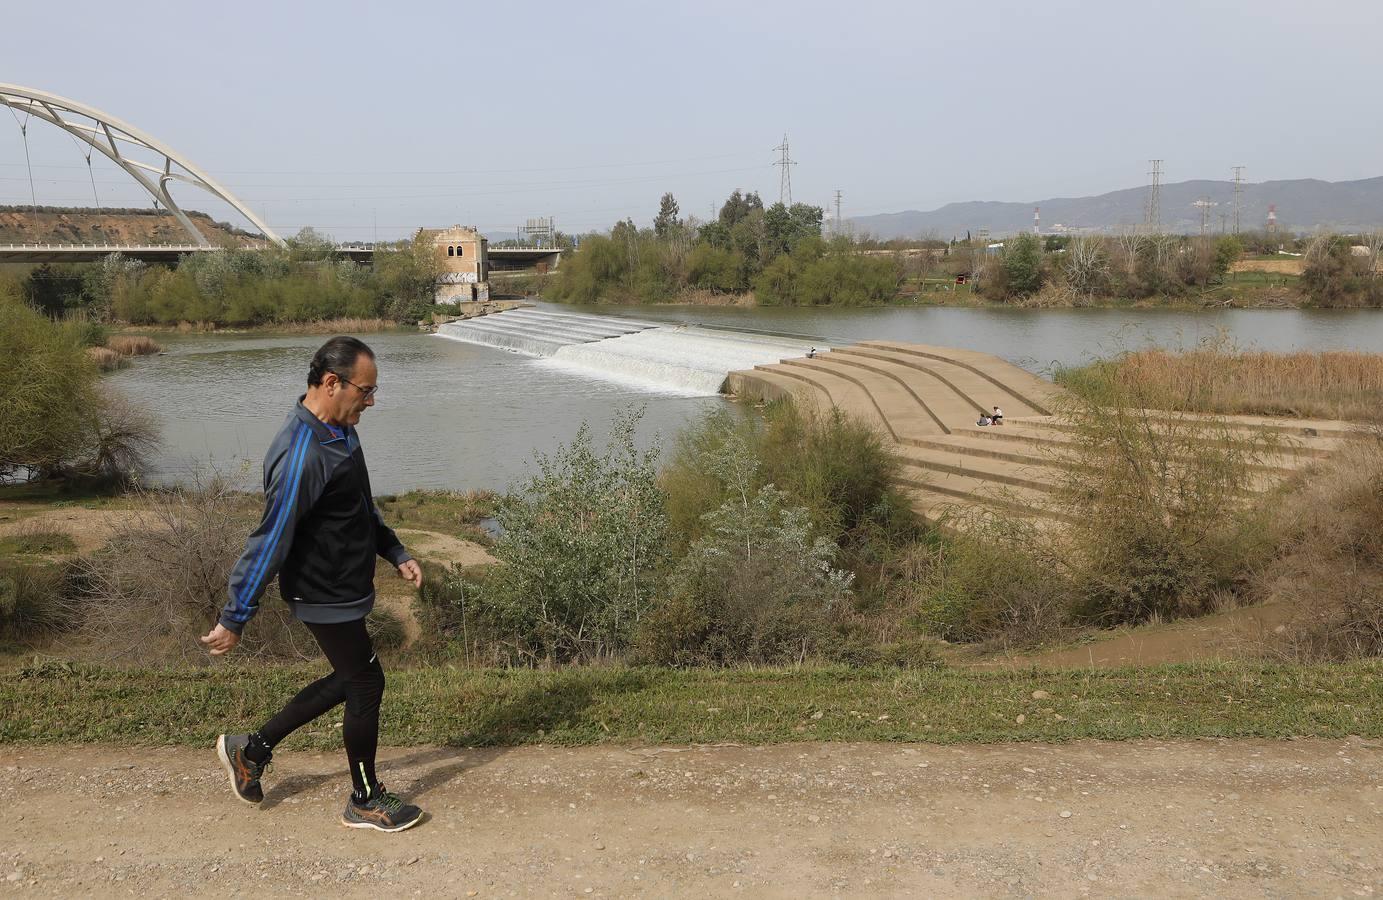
(54, 702)
(1338, 274)
(581, 554)
(37, 542)
(776, 251)
(302, 283)
(737, 553)
(58, 421)
(449, 512)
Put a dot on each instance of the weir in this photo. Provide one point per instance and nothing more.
(681, 358)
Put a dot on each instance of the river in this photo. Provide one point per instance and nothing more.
(461, 416)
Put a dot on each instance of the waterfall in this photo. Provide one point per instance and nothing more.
(683, 359)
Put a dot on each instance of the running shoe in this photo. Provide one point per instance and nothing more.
(382, 812)
(244, 772)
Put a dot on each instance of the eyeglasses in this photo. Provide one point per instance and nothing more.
(367, 392)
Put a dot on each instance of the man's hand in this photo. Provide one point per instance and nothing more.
(412, 573)
(220, 640)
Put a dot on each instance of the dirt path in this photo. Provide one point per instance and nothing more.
(89, 529)
(1229, 819)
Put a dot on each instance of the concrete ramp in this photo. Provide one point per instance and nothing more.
(926, 401)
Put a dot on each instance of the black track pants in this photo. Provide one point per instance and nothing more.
(357, 680)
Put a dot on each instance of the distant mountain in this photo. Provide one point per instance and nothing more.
(1302, 205)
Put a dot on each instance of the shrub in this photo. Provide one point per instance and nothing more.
(992, 582)
(160, 583)
(56, 420)
(836, 467)
(582, 550)
(47, 389)
(1163, 507)
(756, 587)
(31, 599)
(1334, 276)
(1328, 574)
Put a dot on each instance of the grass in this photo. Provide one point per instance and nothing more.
(61, 702)
(57, 494)
(37, 542)
(450, 512)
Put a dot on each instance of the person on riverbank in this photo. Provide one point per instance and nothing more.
(320, 534)
(996, 417)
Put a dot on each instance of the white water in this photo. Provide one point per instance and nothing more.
(682, 359)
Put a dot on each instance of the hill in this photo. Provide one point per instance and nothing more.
(76, 225)
(1303, 205)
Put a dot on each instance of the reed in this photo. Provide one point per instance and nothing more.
(134, 345)
(106, 359)
(1327, 385)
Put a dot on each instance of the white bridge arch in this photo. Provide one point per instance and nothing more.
(110, 136)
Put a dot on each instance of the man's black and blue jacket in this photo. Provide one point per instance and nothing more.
(320, 533)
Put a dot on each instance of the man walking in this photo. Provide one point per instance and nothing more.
(320, 534)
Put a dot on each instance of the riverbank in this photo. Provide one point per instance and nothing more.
(1228, 296)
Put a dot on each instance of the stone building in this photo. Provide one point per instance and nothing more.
(463, 266)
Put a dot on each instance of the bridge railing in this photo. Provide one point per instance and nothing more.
(178, 247)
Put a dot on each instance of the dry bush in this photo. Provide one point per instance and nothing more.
(996, 581)
(134, 345)
(160, 583)
(122, 438)
(1164, 512)
(1329, 573)
(106, 359)
(1052, 295)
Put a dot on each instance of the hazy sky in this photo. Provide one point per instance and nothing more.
(365, 118)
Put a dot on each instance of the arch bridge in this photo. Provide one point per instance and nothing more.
(114, 139)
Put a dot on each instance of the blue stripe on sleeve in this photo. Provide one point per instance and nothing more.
(284, 501)
(273, 516)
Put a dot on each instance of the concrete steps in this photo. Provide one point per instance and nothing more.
(924, 400)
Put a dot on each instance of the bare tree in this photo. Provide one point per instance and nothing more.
(1129, 242)
(1087, 266)
(1373, 242)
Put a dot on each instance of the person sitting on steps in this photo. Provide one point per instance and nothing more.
(997, 417)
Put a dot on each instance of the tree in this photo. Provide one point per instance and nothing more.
(1022, 265)
(738, 207)
(667, 221)
(58, 420)
(785, 228)
(1086, 265)
(310, 245)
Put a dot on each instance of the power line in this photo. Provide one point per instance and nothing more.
(407, 172)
